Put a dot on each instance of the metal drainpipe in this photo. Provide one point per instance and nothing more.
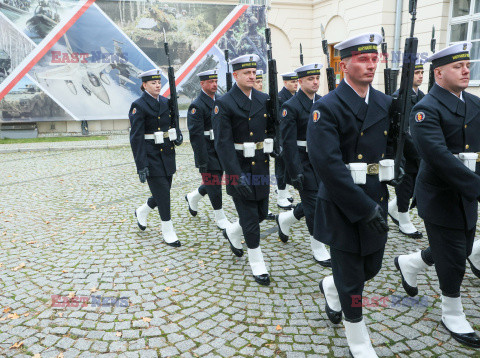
(398, 33)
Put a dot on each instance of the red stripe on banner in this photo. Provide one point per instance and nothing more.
(47, 48)
(208, 47)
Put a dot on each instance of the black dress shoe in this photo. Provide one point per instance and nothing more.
(192, 212)
(334, 316)
(411, 291)
(324, 263)
(475, 271)
(468, 339)
(282, 236)
(174, 244)
(236, 252)
(413, 235)
(270, 216)
(140, 225)
(262, 279)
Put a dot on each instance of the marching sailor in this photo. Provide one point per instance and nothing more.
(347, 142)
(445, 126)
(153, 142)
(398, 207)
(300, 174)
(206, 158)
(243, 139)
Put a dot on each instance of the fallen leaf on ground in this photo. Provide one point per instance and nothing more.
(71, 295)
(167, 288)
(17, 345)
(279, 327)
(146, 319)
(175, 290)
(22, 265)
(119, 334)
(27, 314)
(60, 314)
(31, 242)
(93, 289)
(6, 309)
(166, 269)
(13, 316)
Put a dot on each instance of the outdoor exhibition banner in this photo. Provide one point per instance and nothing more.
(80, 60)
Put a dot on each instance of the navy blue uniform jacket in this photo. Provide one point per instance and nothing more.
(147, 116)
(293, 126)
(199, 120)
(237, 119)
(283, 96)
(446, 190)
(342, 133)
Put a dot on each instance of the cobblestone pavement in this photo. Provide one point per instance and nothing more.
(67, 229)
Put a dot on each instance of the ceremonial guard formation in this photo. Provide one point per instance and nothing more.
(340, 152)
(153, 142)
(244, 139)
(206, 158)
(299, 171)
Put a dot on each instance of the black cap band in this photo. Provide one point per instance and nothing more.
(208, 77)
(290, 78)
(151, 78)
(241, 66)
(313, 72)
(357, 50)
(445, 60)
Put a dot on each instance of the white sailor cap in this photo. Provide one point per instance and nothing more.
(364, 43)
(309, 70)
(259, 74)
(419, 63)
(208, 75)
(289, 76)
(245, 61)
(458, 52)
(151, 75)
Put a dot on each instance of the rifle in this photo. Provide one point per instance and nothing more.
(389, 74)
(273, 107)
(301, 54)
(228, 74)
(329, 70)
(431, 73)
(173, 102)
(402, 104)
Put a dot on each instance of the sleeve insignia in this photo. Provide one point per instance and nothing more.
(316, 115)
(419, 117)
(216, 110)
(284, 113)
(193, 111)
(134, 111)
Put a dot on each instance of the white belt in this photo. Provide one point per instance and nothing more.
(152, 136)
(302, 143)
(240, 146)
(206, 133)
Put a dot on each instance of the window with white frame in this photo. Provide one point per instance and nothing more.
(465, 26)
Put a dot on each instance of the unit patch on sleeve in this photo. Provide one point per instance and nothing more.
(316, 115)
(193, 111)
(284, 113)
(134, 111)
(419, 117)
(216, 110)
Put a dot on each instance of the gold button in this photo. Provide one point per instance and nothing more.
(465, 126)
(158, 128)
(383, 155)
(266, 161)
(360, 156)
(265, 115)
(253, 163)
(381, 199)
(169, 127)
(158, 117)
(467, 146)
(385, 132)
(251, 133)
(249, 119)
(361, 133)
(265, 131)
(171, 148)
(161, 149)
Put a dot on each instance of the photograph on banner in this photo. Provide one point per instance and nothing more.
(246, 35)
(14, 47)
(186, 25)
(93, 69)
(36, 18)
(26, 102)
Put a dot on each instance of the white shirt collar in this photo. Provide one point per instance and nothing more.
(152, 96)
(368, 91)
(207, 94)
(461, 93)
